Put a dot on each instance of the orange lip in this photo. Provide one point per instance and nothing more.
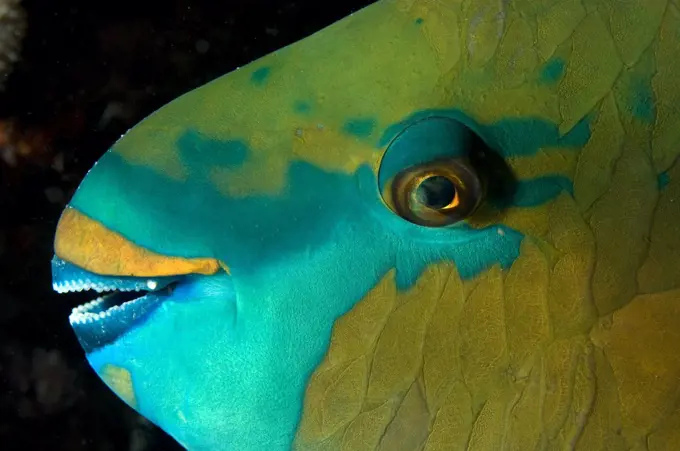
(88, 244)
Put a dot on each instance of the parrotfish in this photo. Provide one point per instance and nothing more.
(432, 225)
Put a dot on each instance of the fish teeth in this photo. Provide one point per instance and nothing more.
(93, 311)
(83, 314)
(87, 306)
(80, 285)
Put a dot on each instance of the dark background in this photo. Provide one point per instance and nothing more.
(89, 71)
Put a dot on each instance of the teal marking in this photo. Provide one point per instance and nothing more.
(419, 21)
(260, 76)
(361, 128)
(199, 152)
(260, 237)
(641, 99)
(276, 219)
(663, 180)
(538, 191)
(302, 107)
(500, 241)
(552, 71)
(516, 137)
(432, 133)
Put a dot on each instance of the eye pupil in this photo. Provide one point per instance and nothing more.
(435, 192)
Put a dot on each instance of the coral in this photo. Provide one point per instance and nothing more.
(12, 29)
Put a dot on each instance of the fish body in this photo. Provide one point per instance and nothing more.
(433, 225)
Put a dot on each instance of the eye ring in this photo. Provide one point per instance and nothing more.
(438, 193)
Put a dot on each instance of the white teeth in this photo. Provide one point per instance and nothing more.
(84, 315)
(84, 285)
(88, 313)
(87, 306)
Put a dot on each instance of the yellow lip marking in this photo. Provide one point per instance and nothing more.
(88, 244)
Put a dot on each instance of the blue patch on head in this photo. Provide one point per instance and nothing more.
(259, 76)
(490, 246)
(361, 128)
(552, 70)
(663, 180)
(516, 137)
(419, 21)
(302, 107)
(261, 228)
(432, 134)
(199, 152)
(538, 191)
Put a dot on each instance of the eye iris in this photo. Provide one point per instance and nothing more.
(435, 192)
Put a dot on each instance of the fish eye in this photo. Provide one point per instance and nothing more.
(438, 193)
(436, 171)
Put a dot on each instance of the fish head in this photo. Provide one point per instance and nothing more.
(415, 203)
